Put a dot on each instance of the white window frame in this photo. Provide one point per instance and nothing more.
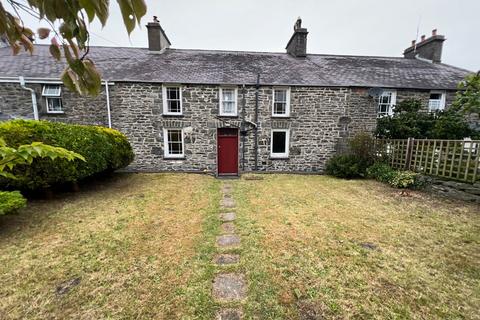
(287, 144)
(56, 96)
(165, 101)
(220, 92)
(393, 102)
(287, 106)
(166, 153)
(442, 100)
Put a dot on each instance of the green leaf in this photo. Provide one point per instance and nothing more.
(55, 52)
(128, 14)
(140, 9)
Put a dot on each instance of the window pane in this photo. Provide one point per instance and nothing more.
(279, 142)
(173, 93)
(435, 96)
(280, 95)
(51, 90)
(228, 95)
(174, 106)
(228, 107)
(279, 108)
(54, 104)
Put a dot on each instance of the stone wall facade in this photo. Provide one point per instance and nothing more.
(320, 121)
(16, 102)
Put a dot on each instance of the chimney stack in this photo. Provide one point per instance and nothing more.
(297, 46)
(427, 48)
(157, 39)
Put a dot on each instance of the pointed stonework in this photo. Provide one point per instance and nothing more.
(229, 287)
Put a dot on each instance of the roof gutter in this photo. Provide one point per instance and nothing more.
(21, 80)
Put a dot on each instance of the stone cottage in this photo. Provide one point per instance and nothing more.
(226, 111)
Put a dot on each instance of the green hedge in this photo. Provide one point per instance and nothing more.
(104, 150)
(11, 201)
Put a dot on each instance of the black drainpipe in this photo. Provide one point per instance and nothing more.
(243, 128)
(257, 87)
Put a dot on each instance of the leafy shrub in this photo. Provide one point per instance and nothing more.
(346, 166)
(11, 201)
(103, 149)
(404, 179)
(362, 146)
(381, 171)
(409, 121)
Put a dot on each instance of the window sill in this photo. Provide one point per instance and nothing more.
(53, 113)
(173, 158)
(228, 115)
(280, 117)
(180, 115)
(278, 158)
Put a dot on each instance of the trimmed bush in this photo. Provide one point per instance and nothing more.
(381, 171)
(103, 149)
(346, 166)
(11, 201)
(404, 179)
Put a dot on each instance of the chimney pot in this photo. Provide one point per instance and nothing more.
(430, 49)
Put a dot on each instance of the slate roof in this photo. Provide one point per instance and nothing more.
(234, 67)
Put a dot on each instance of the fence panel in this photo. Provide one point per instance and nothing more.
(452, 159)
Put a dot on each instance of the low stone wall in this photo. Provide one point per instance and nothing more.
(455, 189)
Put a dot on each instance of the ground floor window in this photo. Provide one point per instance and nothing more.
(174, 146)
(279, 143)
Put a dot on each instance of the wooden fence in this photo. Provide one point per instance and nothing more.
(451, 159)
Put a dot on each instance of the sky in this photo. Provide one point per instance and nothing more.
(352, 27)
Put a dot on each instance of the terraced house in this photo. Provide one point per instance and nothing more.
(226, 111)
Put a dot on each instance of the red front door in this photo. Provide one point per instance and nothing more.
(227, 148)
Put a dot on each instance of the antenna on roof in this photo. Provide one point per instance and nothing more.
(418, 30)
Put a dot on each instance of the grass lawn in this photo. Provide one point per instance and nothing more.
(131, 243)
(140, 246)
(322, 248)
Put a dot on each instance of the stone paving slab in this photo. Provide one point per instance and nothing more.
(227, 203)
(228, 240)
(227, 188)
(226, 259)
(228, 216)
(229, 314)
(229, 287)
(227, 228)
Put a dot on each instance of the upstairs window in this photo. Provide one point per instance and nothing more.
(228, 101)
(436, 101)
(173, 143)
(281, 102)
(386, 102)
(279, 143)
(172, 100)
(53, 100)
